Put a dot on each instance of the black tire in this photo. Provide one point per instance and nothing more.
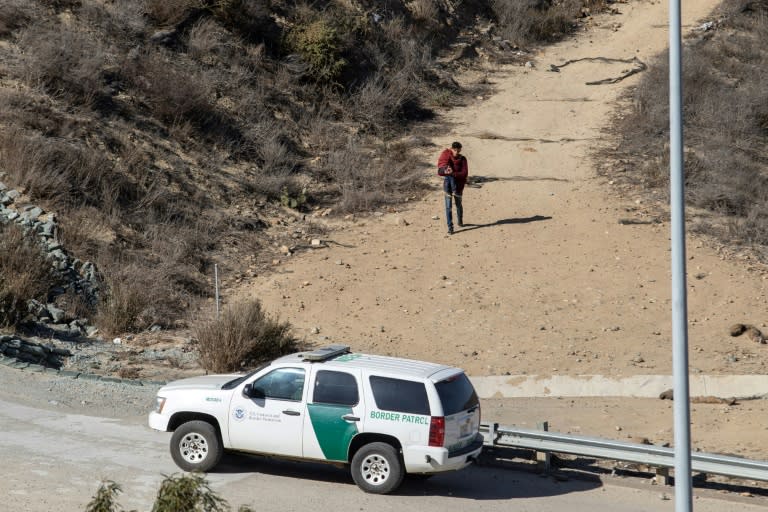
(377, 469)
(196, 446)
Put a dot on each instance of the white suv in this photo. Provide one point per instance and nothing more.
(383, 416)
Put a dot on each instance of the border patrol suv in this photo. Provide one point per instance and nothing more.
(383, 416)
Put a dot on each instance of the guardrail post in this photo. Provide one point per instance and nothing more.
(662, 476)
(544, 459)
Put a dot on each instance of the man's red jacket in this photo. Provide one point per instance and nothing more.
(459, 166)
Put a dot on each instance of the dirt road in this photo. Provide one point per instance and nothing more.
(54, 460)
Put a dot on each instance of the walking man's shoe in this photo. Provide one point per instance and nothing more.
(450, 231)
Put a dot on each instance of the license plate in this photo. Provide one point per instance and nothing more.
(466, 427)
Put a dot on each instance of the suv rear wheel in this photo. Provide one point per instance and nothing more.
(195, 446)
(376, 468)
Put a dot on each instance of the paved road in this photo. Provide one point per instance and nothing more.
(54, 461)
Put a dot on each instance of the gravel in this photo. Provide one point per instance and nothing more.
(82, 395)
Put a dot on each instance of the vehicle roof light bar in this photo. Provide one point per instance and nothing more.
(325, 353)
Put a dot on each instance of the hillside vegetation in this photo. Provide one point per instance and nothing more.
(167, 135)
(725, 102)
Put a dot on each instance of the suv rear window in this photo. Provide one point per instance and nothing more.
(400, 395)
(456, 394)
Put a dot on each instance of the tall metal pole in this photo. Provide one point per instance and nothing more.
(216, 279)
(682, 421)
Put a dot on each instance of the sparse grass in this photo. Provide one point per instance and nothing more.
(166, 13)
(64, 173)
(424, 11)
(242, 337)
(527, 22)
(65, 62)
(13, 15)
(25, 274)
(725, 127)
(147, 147)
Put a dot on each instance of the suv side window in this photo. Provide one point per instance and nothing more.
(281, 384)
(400, 395)
(337, 388)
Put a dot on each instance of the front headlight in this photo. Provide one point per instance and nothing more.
(159, 403)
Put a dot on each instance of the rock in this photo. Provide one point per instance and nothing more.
(667, 395)
(529, 64)
(399, 221)
(737, 329)
(117, 341)
(316, 242)
(57, 314)
(162, 36)
(754, 334)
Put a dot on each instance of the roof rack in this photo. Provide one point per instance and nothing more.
(325, 353)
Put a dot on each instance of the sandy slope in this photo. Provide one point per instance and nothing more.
(544, 280)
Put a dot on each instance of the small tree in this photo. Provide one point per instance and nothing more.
(104, 500)
(188, 493)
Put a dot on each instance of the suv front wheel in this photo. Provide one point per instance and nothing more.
(195, 446)
(376, 468)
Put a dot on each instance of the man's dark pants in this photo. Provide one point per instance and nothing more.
(451, 192)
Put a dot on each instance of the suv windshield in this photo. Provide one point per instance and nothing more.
(236, 382)
(457, 394)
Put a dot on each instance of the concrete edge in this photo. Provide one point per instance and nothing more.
(639, 386)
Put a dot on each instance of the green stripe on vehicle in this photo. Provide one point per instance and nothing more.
(333, 433)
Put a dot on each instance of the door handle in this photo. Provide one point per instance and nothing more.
(291, 412)
(349, 417)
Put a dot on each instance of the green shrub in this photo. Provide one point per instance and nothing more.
(320, 46)
(243, 336)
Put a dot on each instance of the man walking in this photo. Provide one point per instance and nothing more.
(452, 166)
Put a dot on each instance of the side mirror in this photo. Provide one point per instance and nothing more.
(249, 391)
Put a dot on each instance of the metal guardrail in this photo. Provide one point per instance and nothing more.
(650, 455)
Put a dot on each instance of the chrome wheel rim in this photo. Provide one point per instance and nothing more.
(375, 469)
(193, 448)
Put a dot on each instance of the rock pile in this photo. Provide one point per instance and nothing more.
(77, 276)
(48, 356)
